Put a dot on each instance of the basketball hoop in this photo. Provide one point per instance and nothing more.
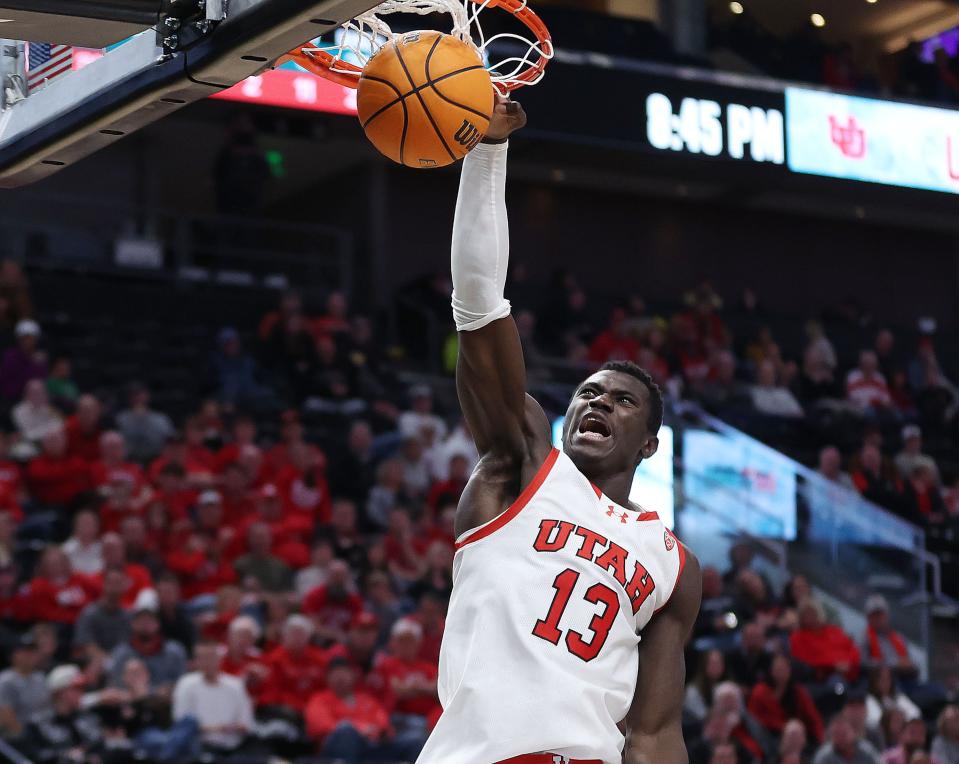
(360, 39)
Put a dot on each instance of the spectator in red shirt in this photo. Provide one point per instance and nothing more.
(177, 451)
(291, 531)
(291, 433)
(115, 556)
(113, 466)
(825, 648)
(54, 477)
(173, 493)
(411, 680)
(303, 483)
(244, 434)
(335, 604)
(291, 304)
(197, 453)
(359, 650)
(83, 429)
(336, 320)
(121, 503)
(431, 616)
(404, 551)
(866, 387)
(56, 593)
(243, 659)
(198, 555)
(297, 669)
(778, 697)
(614, 344)
(239, 501)
(449, 490)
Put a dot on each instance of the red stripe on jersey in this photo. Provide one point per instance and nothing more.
(596, 490)
(643, 516)
(682, 564)
(517, 506)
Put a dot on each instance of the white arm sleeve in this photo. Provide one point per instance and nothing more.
(481, 240)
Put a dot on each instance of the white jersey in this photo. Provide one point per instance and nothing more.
(540, 652)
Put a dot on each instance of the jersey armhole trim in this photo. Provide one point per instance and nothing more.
(679, 575)
(515, 508)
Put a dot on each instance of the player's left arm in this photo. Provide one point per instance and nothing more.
(654, 733)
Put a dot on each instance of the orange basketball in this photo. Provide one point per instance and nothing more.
(425, 99)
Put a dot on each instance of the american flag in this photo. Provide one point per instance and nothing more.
(46, 61)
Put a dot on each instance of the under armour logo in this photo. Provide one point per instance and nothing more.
(611, 511)
(623, 518)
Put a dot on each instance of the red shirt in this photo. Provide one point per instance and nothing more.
(294, 678)
(58, 481)
(103, 474)
(80, 443)
(10, 478)
(325, 710)
(395, 670)
(252, 669)
(198, 573)
(610, 347)
(825, 647)
(331, 612)
(60, 603)
(139, 578)
(312, 500)
(371, 681)
(768, 709)
(448, 489)
(291, 537)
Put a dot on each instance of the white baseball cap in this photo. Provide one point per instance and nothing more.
(27, 328)
(63, 677)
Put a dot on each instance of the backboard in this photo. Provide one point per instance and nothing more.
(138, 82)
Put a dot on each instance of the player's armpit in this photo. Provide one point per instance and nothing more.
(654, 723)
(491, 383)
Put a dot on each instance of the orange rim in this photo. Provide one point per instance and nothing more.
(319, 62)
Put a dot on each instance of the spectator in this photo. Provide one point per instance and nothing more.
(317, 573)
(297, 669)
(259, 565)
(945, 746)
(235, 372)
(217, 701)
(104, 624)
(614, 343)
(866, 387)
(884, 695)
(825, 648)
(410, 680)
(715, 614)
(347, 543)
(113, 467)
(23, 362)
(83, 430)
(772, 399)
(891, 725)
(165, 659)
(386, 494)
(352, 726)
(144, 430)
(911, 455)
(335, 322)
(448, 491)
(83, 548)
(913, 739)
(830, 467)
(23, 689)
(115, 556)
(778, 697)
(749, 658)
(885, 347)
(420, 416)
(243, 659)
(873, 481)
(353, 472)
(34, 417)
(921, 499)
(360, 650)
(792, 744)
(746, 732)
(291, 304)
(57, 593)
(818, 365)
(882, 645)
(699, 692)
(175, 624)
(335, 604)
(382, 600)
(290, 353)
(63, 391)
(65, 732)
(844, 747)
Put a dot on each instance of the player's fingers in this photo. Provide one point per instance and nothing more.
(513, 108)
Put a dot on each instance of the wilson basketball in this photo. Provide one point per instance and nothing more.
(425, 100)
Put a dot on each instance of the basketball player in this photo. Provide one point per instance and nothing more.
(571, 605)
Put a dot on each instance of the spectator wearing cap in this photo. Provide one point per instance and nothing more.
(83, 429)
(57, 593)
(945, 746)
(23, 689)
(420, 416)
(335, 604)
(923, 502)
(844, 747)
(911, 455)
(104, 624)
(84, 548)
(778, 697)
(34, 417)
(165, 659)
(145, 431)
(234, 372)
(881, 644)
(259, 565)
(23, 362)
(410, 680)
(297, 668)
(65, 732)
(825, 648)
(866, 387)
(243, 659)
(217, 701)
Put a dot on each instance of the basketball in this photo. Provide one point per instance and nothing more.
(425, 100)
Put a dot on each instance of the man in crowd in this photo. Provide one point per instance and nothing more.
(104, 624)
(881, 644)
(145, 431)
(296, 667)
(844, 747)
(165, 659)
(260, 565)
(64, 732)
(23, 689)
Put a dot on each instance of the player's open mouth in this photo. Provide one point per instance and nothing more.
(594, 427)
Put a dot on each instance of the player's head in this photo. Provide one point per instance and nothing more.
(613, 419)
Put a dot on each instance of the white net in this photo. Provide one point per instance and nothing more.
(358, 40)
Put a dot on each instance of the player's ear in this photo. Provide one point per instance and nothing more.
(650, 447)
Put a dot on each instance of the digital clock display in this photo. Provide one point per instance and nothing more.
(711, 128)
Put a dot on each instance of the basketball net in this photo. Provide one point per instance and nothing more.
(362, 37)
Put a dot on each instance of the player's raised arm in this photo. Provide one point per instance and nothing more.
(491, 371)
(654, 724)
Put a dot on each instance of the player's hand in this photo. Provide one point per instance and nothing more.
(508, 117)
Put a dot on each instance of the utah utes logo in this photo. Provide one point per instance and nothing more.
(468, 136)
(670, 541)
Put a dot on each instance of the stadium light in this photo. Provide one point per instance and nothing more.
(736, 8)
(818, 20)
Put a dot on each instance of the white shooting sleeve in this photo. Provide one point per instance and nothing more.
(481, 240)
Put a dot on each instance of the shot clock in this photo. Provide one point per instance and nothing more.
(708, 127)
